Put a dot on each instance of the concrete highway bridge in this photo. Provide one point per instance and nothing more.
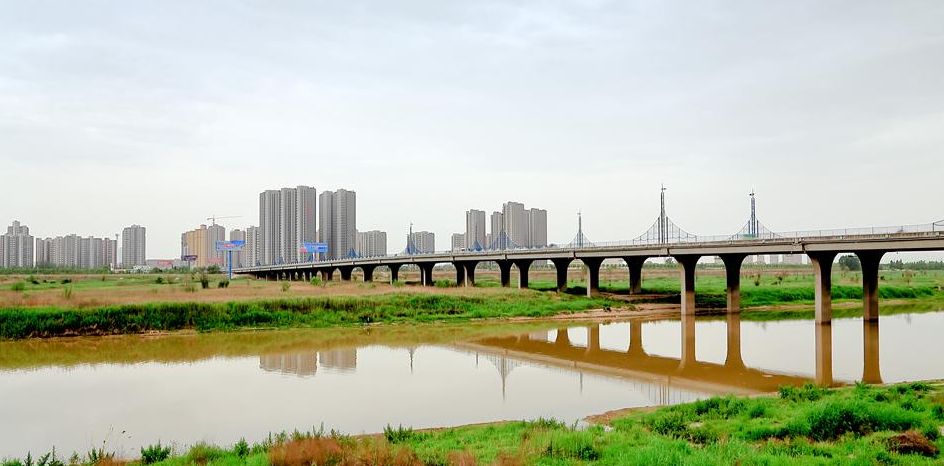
(663, 240)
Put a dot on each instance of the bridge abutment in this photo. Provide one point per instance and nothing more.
(732, 271)
(561, 266)
(634, 264)
(870, 262)
(593, 275)
(822, 275)
(688, 264)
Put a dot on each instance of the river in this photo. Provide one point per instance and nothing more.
(127, 391)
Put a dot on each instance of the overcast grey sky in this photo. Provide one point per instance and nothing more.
(163, 113)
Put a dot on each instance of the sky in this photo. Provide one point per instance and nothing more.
(165, 113)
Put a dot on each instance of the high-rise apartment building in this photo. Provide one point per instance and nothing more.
(16, 247)
(475, 230)
(537, 228)
(287, 220)
(133, 246)
(515, 219)
(423, 242)
(497, 226)
(458, 241)
(76, 252)
(202, 243)
(371, 243)
(337, 224)
(252, 251)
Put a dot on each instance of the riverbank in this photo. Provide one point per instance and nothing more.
(898, 424)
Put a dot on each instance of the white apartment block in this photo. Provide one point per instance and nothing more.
(371, 243)
(337, 225)
(133, 246)
(76, 252)
(423, 242)
(474, 236)
(16, 247)
(287, 220)
(458, 241)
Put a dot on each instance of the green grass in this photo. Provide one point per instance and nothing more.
(283, 313)
(801, 426)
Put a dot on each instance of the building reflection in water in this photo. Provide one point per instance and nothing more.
(305, 364)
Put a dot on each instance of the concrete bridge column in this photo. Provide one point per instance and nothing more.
(593, 275)
(426, 274)
(460, 273)
(822, 273)
(733, 357)
(688, 341)
(870, 261)
(469, 268)
(346, 273)
(368, 272)
(635, 338)
(524, 266)
(327, 275)
(688, 264)
(394, 273)
(824, 354)
(732, 270)
(561, 266)
(504, 270)
(871, 369)
(634, 264)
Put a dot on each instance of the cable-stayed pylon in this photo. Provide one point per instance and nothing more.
(664, 230)
(581, 240)
(754, 229)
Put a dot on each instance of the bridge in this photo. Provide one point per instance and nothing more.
(663, 240)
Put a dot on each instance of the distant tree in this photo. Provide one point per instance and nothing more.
(850, 262)
(213, 269)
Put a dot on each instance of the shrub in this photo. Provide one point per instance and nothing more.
(443, 284)
(398, 434)
(807, 392)
(241, 448)
(67, 292)
(65, 281)
(18, 286)
(204, 280)
(831, 419)
(159, 280)
(576, 445)
(154, 453)
(285, 286)
(316, 281)
(305, 452)
(223, 284)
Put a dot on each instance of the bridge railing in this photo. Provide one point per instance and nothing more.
(900, 231)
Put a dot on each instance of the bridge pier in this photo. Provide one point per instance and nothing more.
(504, 270)
(822, 275)
(327, 275)
(593, 275)
(469, 268)
(426, 274)
(871, 369)
(460, 274)
(561, 266)
(634, 264)
(394, 272)
(368, 272)
(732, 270)
(824, 354)
(524, 266)
(870, 262)
(688, 264)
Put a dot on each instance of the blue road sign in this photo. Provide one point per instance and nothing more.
(230, 245)
(313, 248)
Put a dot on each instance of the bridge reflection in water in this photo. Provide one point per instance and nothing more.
(668, 380)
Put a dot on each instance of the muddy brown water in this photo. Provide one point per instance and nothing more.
(124, 392)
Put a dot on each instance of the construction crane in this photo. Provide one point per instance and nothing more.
(214, 218)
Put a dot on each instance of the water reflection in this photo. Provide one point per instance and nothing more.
(71, 392)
